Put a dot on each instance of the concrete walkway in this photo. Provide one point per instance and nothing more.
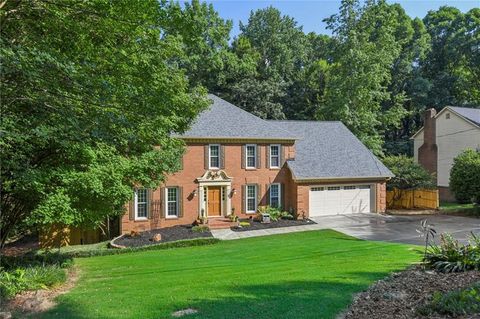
(400, 229)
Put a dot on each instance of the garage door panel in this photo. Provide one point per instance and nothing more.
(344, 199)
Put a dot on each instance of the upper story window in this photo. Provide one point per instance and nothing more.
(275, 156)
(141, 203)
(447, 116)
(251, 156)
(214, 156)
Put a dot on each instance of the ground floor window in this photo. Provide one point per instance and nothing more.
(172, 201)
(141, 203)
(251, 198)
(275, 195)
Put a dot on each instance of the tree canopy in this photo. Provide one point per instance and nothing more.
(89, 96)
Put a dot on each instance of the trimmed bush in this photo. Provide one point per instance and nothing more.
(200, 229)
(465, 177)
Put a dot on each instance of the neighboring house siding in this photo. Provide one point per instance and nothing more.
(453, 136)
(417, 142)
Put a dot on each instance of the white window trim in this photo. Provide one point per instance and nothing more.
(210, 156)
(254, 156)
(255, 198)
(278, 155)
(279, 194)
(167, 201)
(136, 205)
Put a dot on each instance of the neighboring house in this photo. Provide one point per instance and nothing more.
(236, 162)
(443, 137)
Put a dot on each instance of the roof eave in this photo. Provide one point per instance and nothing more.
(346, 178)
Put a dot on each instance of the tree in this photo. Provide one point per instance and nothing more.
(204, 36)
(89, 99)
(465, 177)
(408, 174)
(364, 51)
(453, 65)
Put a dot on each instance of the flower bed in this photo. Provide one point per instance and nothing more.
(255, 225)
(408, 294)
(168, 234)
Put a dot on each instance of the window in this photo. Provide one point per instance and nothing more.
(350, 187)
(214, 156)
(251, 154)
(274, 156)
(251, 198)
(275, 195)
(172, 201)
(317, 189)
(364, 186)
(141, 203)
(447, 116)
(333, 188)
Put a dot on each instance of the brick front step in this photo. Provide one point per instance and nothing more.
(220, 223)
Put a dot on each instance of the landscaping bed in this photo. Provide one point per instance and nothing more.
(409, 294)
(256, 225)
(168, 234)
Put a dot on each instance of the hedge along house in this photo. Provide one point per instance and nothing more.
(235, 162)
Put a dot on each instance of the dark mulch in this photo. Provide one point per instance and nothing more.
(254, 225)
(168, 234)
(403, 293)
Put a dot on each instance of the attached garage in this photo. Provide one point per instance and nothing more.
(341, 199)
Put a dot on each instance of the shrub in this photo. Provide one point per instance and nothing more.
(244, 224)
(233, 217)
(275, 213)
(451, 256)
(465, 177)
(408, 174)
(200, 229)
(20, 279)
(455, 303)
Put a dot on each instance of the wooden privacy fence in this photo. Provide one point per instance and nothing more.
(413, 198)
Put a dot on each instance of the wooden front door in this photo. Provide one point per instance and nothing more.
(214, 201)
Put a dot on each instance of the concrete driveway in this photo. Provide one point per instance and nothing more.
(400, 229)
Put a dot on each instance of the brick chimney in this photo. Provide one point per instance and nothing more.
(428, 152)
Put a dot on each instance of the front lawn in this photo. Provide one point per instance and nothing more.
(298, 275)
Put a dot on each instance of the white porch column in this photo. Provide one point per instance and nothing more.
(200, 200)
(228, 189)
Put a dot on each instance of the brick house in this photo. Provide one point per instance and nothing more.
(235, 162)
(442, 138)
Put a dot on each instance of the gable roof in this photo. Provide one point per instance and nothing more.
(225, 120)
(329, 150)
(469, 114)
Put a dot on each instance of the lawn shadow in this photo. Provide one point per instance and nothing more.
(288, 299)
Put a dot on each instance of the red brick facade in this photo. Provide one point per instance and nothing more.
(294, 195)
(428, 152)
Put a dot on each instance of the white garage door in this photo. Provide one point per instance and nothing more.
(344, 199)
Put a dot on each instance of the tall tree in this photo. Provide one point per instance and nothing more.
(89, 98)
(453, 66)
(365, 49)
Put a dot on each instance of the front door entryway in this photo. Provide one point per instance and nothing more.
(214, 201)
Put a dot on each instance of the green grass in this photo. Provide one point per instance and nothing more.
(297, 275)
(469, 209)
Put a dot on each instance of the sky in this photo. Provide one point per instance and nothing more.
(310, 13)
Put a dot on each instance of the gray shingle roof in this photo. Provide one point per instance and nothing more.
(468, 113)
(225, 120)
(330, 150)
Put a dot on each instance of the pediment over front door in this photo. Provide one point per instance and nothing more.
(214, 176)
